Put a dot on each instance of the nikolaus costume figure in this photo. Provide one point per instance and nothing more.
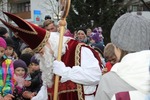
(79, 62)
(79, 70)
(129, 79)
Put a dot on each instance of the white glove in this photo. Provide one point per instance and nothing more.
(60, 68)
(42, 94)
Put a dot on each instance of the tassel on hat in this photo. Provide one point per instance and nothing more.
(28, 32)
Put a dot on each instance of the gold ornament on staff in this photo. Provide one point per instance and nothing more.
(64, 6)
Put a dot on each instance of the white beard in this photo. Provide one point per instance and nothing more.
(46, 61)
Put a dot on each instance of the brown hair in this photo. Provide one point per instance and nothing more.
(109, 50)
(47, 22)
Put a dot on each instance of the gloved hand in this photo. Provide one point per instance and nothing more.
(60, 68)
(42, 94)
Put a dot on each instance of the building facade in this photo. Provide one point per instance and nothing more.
(31, 10)
(137, 5)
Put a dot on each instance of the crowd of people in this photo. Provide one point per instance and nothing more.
(88, 69)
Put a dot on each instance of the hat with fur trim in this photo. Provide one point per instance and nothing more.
(131, 33)
(28, 32)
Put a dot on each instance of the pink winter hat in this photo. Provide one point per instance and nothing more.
(2, 42)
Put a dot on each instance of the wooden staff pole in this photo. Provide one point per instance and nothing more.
(62, 24)
(65, 4)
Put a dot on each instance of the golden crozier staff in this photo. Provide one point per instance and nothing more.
(65, 6)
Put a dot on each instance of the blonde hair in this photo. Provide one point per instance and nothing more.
(27, 50)
(81, 31)
(88, 30)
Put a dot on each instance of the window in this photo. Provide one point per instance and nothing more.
(23, 7)
(137, 8)
(134, 7)
(27, 7)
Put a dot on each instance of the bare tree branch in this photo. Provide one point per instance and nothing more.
(54, 7)
(145, 4)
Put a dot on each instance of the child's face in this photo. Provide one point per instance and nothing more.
(116, 57)
(20, 71)
(9, 51)
(33, 67)
(2, 51)
(89, 32)
(112, 59)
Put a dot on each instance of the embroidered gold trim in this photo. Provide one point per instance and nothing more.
(65, 91)
(42, 44)
(77, 62)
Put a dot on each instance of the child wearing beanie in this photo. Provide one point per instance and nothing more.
(20, 74)
(96, 41)
(36, 80)
(20, 68)
(6, 74)
(9, 52)
(34, 65)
